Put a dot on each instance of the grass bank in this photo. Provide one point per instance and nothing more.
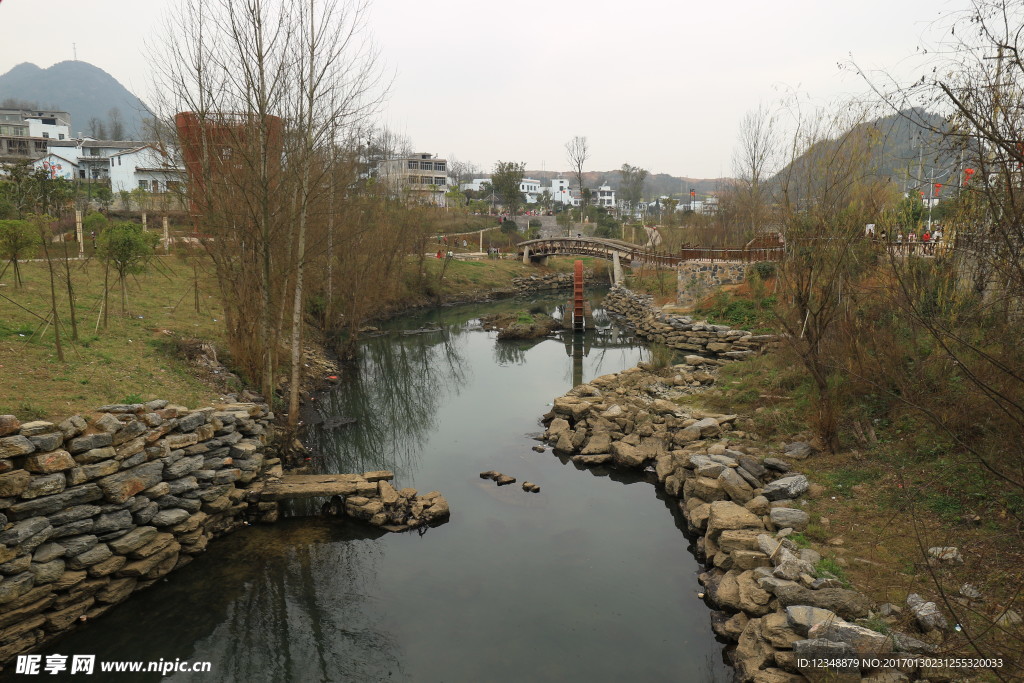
(147, 352)
(135, 357)
(895, 489)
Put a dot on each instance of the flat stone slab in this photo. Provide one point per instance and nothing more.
(317, 485)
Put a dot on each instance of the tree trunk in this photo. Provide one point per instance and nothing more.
(106, 292)
(71, 295)
(53, 299)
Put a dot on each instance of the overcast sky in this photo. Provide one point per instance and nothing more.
(660, 84)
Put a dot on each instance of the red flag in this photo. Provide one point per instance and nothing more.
(938, 187)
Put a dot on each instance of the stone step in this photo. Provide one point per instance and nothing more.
(292, 486)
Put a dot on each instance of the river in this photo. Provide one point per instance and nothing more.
(589, 580)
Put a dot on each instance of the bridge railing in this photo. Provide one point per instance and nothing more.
(744, 254)
(751, 253)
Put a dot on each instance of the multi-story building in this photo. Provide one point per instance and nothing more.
(530, 189)
(422, 176)
(560, 191)
(91, 156)
(603, 196)
(55, 125)
(148, 167)
(16, 140)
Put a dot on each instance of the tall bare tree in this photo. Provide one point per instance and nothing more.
(116, 124)
(267, 95)
(337, 77)
(576, 153)
(754, 163)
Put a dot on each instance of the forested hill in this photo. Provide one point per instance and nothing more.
(905, 150)
(79, 88)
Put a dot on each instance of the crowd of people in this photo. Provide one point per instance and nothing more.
(926, 243)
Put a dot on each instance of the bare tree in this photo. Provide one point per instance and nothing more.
(461, 171)
(754, 163)
(823, 211)
(266, 95)
(337, 77)
(116, 124)
(576, 153)
(97, 129)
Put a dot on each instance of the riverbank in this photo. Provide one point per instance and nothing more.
(105, 504)
(169, 341)
(778, 596)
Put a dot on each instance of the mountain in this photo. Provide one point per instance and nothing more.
(910, 149)
(656, 184)
(79, 88)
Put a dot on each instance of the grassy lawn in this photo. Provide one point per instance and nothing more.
(134, 358)
(463, 278)
(130, 359)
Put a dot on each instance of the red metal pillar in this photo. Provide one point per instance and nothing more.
(578, 302)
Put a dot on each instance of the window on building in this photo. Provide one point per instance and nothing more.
(60, 136)
(143, 184)
(415, 165)
(94, 151)
(46, 135)
(442, 166)
(81, 173)
(440, 180)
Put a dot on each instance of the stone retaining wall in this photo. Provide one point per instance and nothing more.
(697, 279)
(770, 599)
(99, 506)
(683, 332)
(542, 283)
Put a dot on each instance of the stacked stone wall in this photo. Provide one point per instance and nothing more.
(772, 599)
(697, 279)
(682, 332)
(97, 507)
(542, 283)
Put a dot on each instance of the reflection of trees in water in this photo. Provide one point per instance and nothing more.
(394, 392)
(305, 614)
(513, 352)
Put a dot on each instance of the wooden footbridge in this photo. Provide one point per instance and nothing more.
(765, 247)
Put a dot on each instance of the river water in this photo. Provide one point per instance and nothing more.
(589, 580)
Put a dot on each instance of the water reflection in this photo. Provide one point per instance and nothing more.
(588, 580)
(303, 604)
(395, 389)
(402, 378)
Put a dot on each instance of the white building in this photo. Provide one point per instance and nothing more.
(147, 167)
(603, 196)
(422, 176)
(475, 185)
(57, 166)
(560, 191)
(530, 189)
(54, 125)
(92, 156)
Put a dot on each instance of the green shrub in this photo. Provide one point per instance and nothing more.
(765, 269)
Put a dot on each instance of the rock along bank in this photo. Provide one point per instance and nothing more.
(768, 596)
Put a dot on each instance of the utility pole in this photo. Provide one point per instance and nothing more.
(931, 199)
